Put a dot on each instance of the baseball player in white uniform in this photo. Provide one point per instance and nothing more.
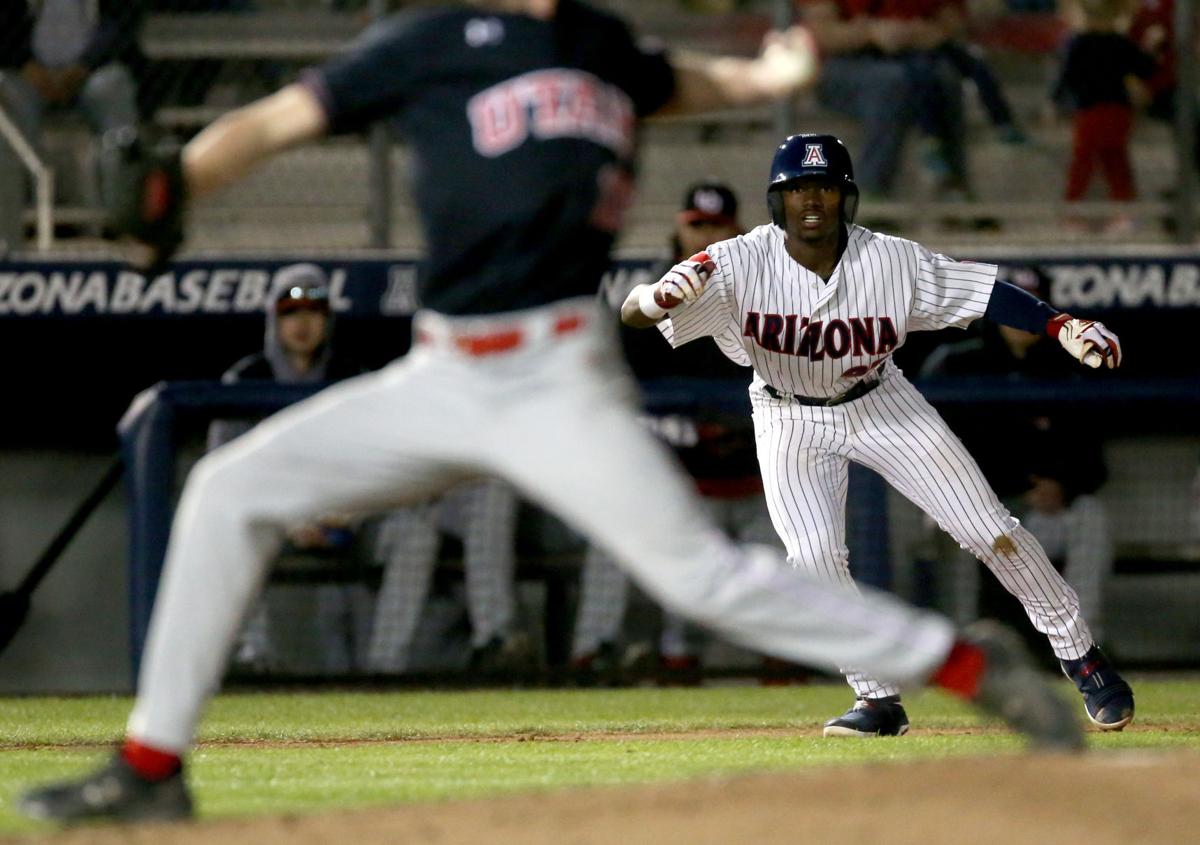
(817, 306)
(521, 117)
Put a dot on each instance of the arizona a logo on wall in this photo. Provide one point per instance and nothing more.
(814, 156)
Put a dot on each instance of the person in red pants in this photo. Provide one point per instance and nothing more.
(1101, 78)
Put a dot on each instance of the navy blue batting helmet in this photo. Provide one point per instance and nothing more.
(812, 155)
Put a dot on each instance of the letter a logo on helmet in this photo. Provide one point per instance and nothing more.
(809, 154)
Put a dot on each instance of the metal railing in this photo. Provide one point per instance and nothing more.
(43, 178)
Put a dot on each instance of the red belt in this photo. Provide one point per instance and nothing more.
(490, 343)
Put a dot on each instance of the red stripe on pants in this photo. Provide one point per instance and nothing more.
(1101, 135)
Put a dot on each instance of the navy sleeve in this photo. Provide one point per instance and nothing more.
(653, 78)
(1011, 306)
(374, 78)
(641, 70)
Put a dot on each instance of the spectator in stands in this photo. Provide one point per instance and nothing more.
(717, 449)
(1053, 479)
(972, 65)
(886, 65)
(1101, 80)
(187, 82)
(483, 514)
(1153, 29)
(298, 349)
(62, 54)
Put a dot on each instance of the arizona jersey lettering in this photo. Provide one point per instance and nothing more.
(812, 337)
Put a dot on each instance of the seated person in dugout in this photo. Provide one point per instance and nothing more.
(299, 348)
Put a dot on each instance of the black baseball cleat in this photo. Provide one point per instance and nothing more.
(870, 717)
(113, 792)
(1107, 699)
(1011, 688)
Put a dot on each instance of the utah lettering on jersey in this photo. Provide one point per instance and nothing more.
(791, 334)
(553, 103)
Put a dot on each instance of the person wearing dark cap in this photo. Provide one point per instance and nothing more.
(709, 214)
(298, 348)
(298, 340)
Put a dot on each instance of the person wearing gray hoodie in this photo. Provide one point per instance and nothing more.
(298, 349)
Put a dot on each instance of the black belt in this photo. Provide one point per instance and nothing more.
(861, 389)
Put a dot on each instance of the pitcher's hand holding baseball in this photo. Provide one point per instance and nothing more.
(682, 284)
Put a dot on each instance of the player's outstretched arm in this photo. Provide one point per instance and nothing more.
(646, 305)
(788, 62)
(232, 145)
(1088, 341)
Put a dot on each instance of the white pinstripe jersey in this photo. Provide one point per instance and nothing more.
(810, 337)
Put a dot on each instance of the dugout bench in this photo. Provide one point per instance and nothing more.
(150, 434)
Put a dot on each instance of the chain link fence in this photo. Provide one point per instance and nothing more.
(182, 63)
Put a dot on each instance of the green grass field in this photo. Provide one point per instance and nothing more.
(307, 752)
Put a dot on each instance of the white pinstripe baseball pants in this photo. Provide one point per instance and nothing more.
(804, 453)
(548, 407)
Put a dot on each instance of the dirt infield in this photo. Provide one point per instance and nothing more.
(1096, 799)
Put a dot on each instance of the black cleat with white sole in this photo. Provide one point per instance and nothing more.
(1107, 699)
(113, 792)
(870, 717)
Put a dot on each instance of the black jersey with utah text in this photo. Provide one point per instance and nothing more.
(522, 134)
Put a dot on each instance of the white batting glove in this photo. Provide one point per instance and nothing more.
(682, 284)
(1089, 342)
